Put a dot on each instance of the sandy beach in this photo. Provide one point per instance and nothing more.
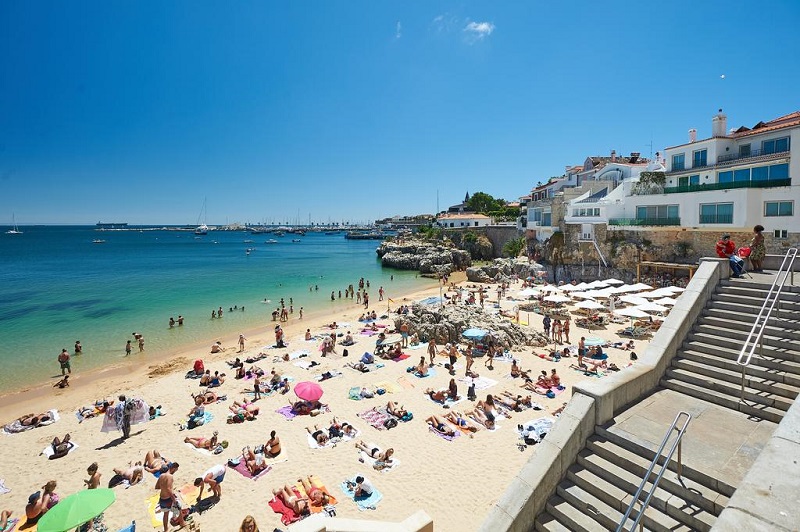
(455, 481)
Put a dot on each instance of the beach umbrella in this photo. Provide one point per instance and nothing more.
(625, 288)
(582, 286)
(642, 286)
(582, 295)
(665, 301)
(613, 281)
(527, 292)
(676, 289)
(652, 307)
(597, 284)
(632, 312)
(570, 288)
(474, 333)
(650, 295)
(633, 300)
(75, 510)
(392, 339)
(602, 294)
(662, 292)
(308, 391)
(589, 305)
(557, 299)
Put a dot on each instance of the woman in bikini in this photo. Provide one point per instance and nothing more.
(452, 390)
(316, 496)
(254, 462)
(295, 503)
(395, 410)
(319, 435)
(460, 420)
(440, 425)
(61, 447)
(438, 396)
(203, 443)
(273, 446)
(154, 462)
(244, 407)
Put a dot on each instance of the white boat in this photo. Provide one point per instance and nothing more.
(98, 241)
(271, 241)
(202, 228)
(14, 230)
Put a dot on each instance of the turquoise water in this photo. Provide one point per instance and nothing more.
(56, 287)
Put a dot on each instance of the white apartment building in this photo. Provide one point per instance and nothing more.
(730, 181)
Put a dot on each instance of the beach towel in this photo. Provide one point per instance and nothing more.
(443, 435)
(331, 374)
(368, 332)
(375, 417)
(300, 353)
(481, 383)
(370, 367)
(364, 503)
(422, 345)
(401, 357)
(3, 488)
(306, 364)
(207, 418)
(154, 511)
(199, 450)
(536, 429)
(370, 461)
(287, 514)
(317, 483)
(287, 412)
(315, 445)
(48, 451)
(12, 522)
(448, 402)
(16, 427)
(241, 468)
(405, 383)
(386, 386)
(431, 373)
(130, 528)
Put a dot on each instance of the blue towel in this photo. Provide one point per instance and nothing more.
(364, 503)
(130, 528)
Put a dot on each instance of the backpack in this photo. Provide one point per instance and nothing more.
(390, 423)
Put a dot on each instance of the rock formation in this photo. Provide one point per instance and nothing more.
(423, 256)
(501, 270)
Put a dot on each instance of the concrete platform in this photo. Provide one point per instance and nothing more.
(719, 442)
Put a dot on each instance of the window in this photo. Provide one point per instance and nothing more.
(476, 224)
(778, 208)
(546, 219)
(699, 158)
(688, 180)
(716, 213)
(656, 212)
(678, 161)
(760, 173)
(694, 179)
(741, 175)
(744, 150)
(779, 171)
(775, 145)
(781, 234)
(725, 177)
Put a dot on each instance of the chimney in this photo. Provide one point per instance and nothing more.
(613, 156)
(719, 125)
(634, 157)
(692, 135)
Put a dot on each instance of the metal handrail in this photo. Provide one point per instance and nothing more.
(760, 323)
(667, 458)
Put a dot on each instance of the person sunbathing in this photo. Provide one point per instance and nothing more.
(63, 383)
(134, 474)
(318, 435)
(359, 366)
(382, 459)
(460, 420)
(489, 406)
(155, 463)
(536, 387)
(555, 380)
(245, 407)
(203, 443)
(452, 390)
(206, 398)
(421, 369)
(217, 380)
(206, 378)
(254, 462)
(36, 507)
(517, 403)
(61, 447)
(316, 496)
(440, 425)
(487, 419)
(414, 340)
(31, 420)
(516, 370)
(348, 339)
(397, 411)
(298, 505)
(440, 396)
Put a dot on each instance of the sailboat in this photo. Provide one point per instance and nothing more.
(202, 229)
(14, 230)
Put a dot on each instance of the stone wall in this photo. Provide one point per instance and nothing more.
(497, 235)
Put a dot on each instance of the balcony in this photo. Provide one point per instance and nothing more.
(716, 218)
(752, 154)
(644, 221)
(771, 183)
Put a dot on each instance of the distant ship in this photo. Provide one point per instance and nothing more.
(112, 225)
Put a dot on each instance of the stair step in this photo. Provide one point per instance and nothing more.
(783, 350)
(616, 487)
(573, 518)
(734, 337)
(547, 523)
(765, 398)
(772, 385)
(782, 373)
(767, 357)
(755, 300)
(722, 399)
(695, 493)
(732, 320)
(754, 286)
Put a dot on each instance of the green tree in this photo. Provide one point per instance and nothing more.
(483, 203)
(514, 247)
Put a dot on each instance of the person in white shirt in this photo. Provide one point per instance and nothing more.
(213, 477)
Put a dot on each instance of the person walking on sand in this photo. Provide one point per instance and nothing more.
(128, 348)
(166, 495)
(241, 342)
(63, 359)
(141, 344)
(366, 300)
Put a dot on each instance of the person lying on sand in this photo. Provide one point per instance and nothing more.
(245, 407)
(440, 425)
(298, 505)
(440, 396)
(306, 407)
(63, 383)
(516, 403)
(339, 429)
(61, 447)
(154, 462)
(487, 419)
(319, 435)
(316, 496)
(253, 360)
(206, 398)
(203, 443)
(398, 411)
(460, 420)
(359, 366)
(133, 474)
(382, 459)
(34, 420)
(254, 462)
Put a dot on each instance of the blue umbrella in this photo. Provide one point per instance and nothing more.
(474, 334)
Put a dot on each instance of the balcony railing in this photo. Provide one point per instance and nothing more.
(645, 221)
(770, 183)
(716, 218)
(753, 153)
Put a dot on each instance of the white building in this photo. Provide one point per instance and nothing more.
(730, 181)
(462, 221)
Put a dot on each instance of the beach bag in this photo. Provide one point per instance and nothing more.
(345, 353)
(408, 416)
(471, 392)
(390, 423)
(744, 252)
(551, 394)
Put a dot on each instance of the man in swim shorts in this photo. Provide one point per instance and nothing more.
(213, 477)
(166, 495)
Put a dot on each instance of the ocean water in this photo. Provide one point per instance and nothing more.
(56, 287)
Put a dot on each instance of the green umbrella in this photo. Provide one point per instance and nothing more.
(76, 510)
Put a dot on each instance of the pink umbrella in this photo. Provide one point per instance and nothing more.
(308, 391)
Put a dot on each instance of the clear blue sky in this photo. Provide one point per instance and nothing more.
(136, 111)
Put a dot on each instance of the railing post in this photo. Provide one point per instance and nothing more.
(680, 461)
(743, 380)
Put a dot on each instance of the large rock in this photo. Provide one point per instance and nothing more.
(501, 270)
(423, 256)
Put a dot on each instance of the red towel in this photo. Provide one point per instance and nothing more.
(287, 514)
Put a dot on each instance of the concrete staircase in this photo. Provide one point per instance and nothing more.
(599, 487)
(706, 365)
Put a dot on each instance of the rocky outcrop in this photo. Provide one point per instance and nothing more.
(423, 256)
(445, 324)
(501, 270)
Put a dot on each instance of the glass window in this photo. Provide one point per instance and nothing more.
(641, 212)
(694, 179)
(546, 219)
(725, 177)
(744, 150)
(782, 145)
(760, 173)
(699, 158)
(716, 213)
(683, 181)
(781, 233)
(778, 208)
(779, 171)
(672, 211)
(678, 161)
(741, 175)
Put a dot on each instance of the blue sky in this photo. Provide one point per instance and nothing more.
(137, 111)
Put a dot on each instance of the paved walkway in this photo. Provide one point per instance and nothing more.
(719, 442)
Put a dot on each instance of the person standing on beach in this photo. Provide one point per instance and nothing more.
(124, 410)
(63, 359)
(180, 319)
(141, 343)
(301, 313)
(166, 496)
(128, 348)
(380, 294)
(241, 342)
(358, 297)
(78, 347)
(366, 299)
